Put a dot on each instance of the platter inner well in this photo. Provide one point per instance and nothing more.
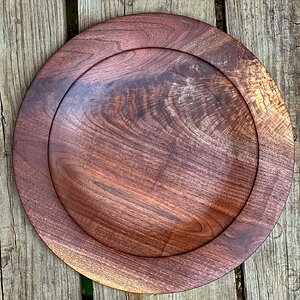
(153, 152)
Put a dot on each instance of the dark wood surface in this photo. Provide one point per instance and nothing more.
(153, 153)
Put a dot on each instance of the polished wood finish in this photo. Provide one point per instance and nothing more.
(153, 153)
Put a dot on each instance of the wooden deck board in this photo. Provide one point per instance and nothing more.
(30, 32)
(271, 29)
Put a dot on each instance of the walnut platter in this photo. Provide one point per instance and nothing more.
(153, 153)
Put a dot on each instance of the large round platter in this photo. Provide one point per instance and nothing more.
(153, 153)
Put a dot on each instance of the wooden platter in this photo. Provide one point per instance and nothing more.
(153, 153)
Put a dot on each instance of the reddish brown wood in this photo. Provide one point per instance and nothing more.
(153, 153)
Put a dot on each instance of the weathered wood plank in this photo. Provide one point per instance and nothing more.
(30, 32)
(94, 11)
(104, 292)
(223, 288)
(91, 12)
(202, 10)
(271, 29)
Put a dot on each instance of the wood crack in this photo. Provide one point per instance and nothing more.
(1, 273)
(3, 125)
(5, 157)
(295, 23)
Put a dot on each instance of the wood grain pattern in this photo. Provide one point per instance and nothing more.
(134, 152)
(29, 270)
(78, 58)
(210, 291)
(201, 10)
(91, 12)
(275, 29)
